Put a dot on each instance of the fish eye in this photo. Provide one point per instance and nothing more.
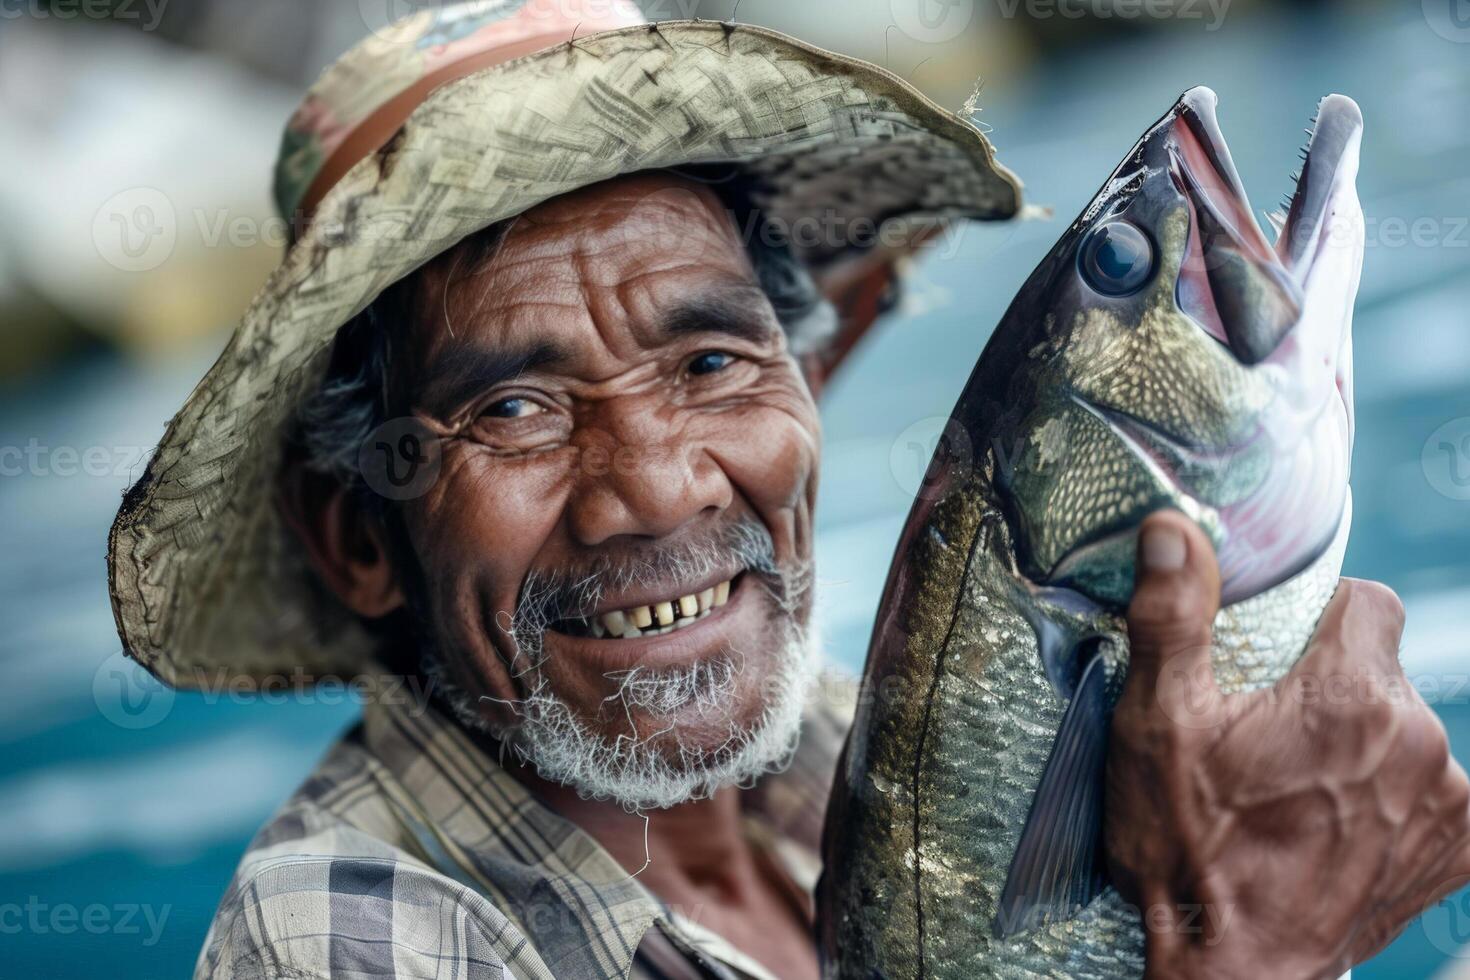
(1116, 258)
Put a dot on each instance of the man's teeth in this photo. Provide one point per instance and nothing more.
(661, 617)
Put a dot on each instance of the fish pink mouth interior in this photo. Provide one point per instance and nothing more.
(1288, 521)
(1283, 311)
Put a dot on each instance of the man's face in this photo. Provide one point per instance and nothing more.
(622, 429)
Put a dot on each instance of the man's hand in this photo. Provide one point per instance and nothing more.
(1286, 832)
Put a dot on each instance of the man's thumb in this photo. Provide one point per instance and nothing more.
(1175, 597)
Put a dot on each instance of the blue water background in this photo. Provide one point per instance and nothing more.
(147, 803)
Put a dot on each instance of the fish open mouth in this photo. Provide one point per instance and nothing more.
(1243, 290)
(1286, 308)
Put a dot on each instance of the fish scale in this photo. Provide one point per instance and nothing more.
(963, 835)
(954, 798)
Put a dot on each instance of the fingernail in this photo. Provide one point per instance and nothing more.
(1163, 548)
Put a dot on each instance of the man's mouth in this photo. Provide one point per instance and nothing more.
(643, 617)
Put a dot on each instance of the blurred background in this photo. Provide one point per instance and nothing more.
(137, 138)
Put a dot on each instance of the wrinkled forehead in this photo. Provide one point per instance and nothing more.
(620, 254)
(660, 218)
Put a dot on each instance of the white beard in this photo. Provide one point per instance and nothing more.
(655, 769)
(641, 774)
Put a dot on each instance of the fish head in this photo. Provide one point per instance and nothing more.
(1167, 354)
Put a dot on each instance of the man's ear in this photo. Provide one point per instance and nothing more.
(346, 546)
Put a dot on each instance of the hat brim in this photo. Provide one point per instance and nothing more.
(205, 578)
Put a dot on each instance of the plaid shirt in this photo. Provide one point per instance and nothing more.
(410, 852)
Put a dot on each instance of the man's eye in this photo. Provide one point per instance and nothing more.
(512, 408)
(710, 361)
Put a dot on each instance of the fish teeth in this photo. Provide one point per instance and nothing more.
(1277, 221)
(658, 618)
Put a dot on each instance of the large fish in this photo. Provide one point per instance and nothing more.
(1164, 354)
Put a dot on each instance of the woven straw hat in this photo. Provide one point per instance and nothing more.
(421, 135)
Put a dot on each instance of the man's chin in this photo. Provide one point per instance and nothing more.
(690, 735)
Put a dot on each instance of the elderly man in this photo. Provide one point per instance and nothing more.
(528, 412)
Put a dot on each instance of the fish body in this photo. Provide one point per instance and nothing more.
(1164, 354)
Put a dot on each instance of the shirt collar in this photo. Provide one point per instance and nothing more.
(576, 905)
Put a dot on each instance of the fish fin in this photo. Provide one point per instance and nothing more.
(1057, 868)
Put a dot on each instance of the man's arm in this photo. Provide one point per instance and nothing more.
(1294, 830)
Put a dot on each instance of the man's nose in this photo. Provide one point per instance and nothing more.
(646, 484)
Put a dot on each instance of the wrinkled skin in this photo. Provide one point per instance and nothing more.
(1340, 769)
(617, 447)
(634, 439)
(595, 272)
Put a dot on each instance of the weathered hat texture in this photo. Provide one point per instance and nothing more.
(420, 136)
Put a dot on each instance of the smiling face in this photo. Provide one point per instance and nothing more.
(612, 566)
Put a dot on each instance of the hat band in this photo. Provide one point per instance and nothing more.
(379, 126)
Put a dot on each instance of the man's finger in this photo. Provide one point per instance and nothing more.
(1175, 598)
